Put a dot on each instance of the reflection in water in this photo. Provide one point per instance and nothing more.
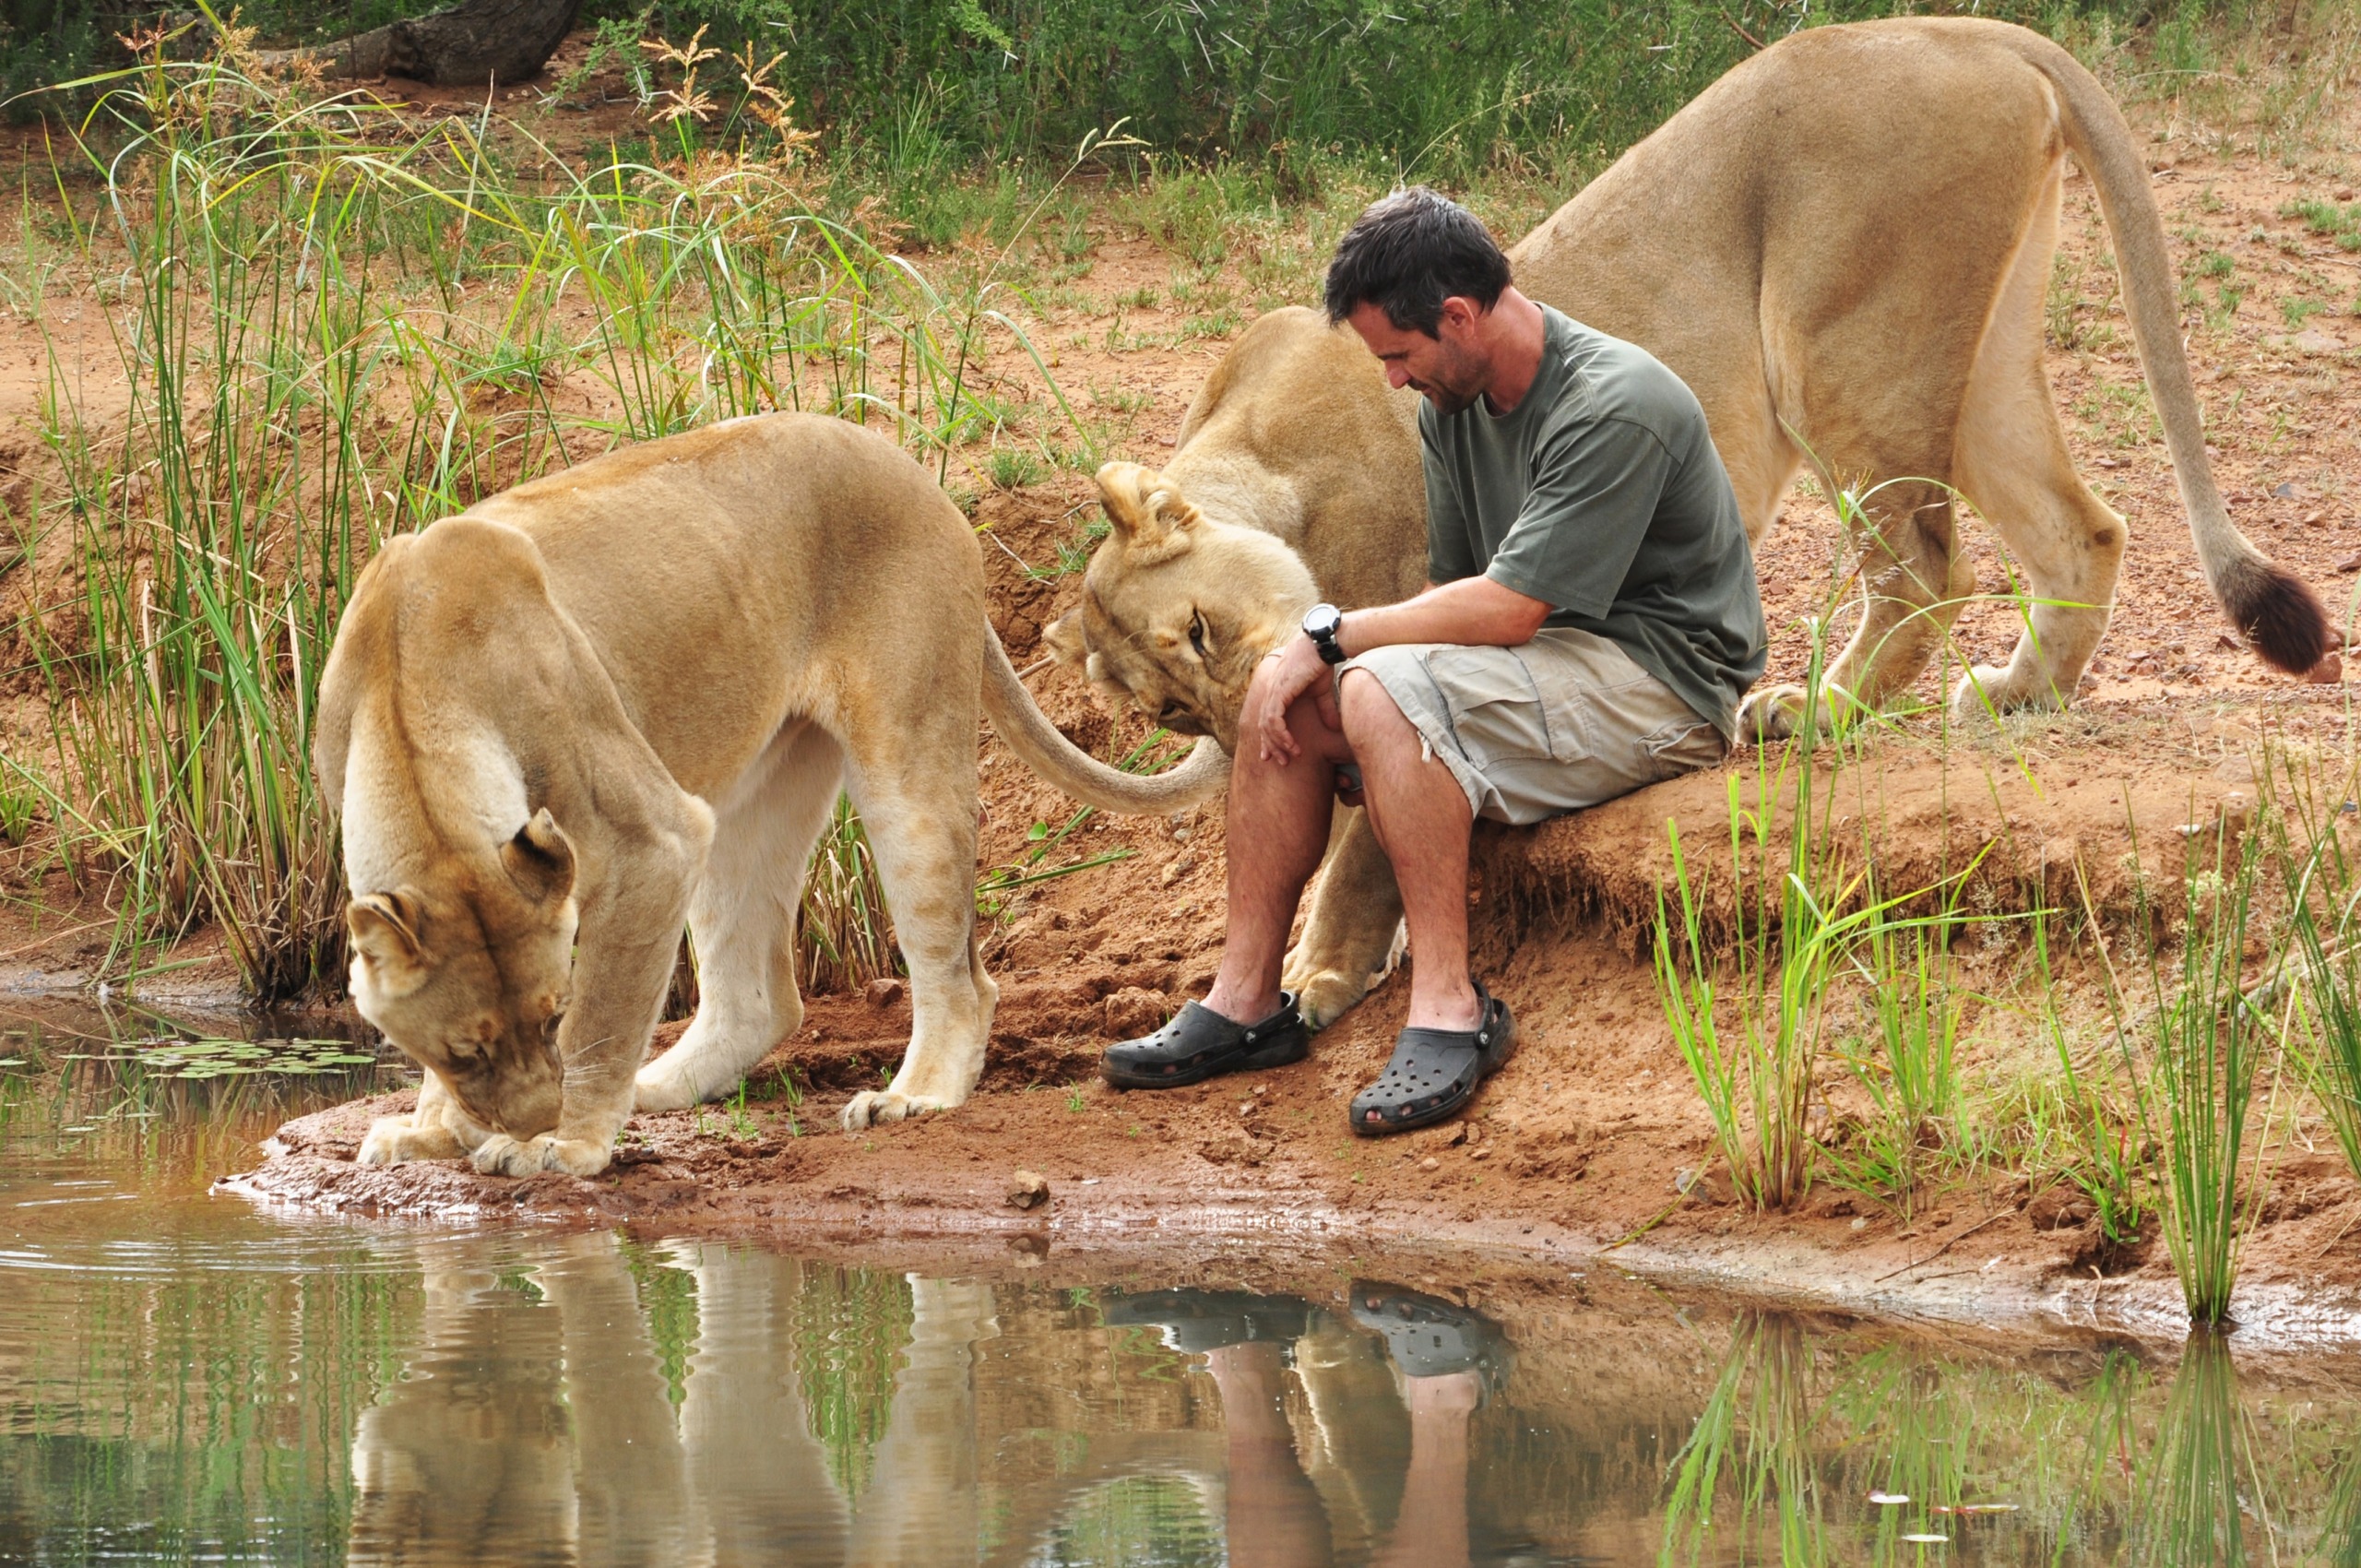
(2193, 1489)
(183, 1378)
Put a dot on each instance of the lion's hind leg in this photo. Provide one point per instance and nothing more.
(742, 921)
(1915, 582)
(2013, 468)
(916, 792)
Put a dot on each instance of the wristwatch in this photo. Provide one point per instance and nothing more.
(1321, 623)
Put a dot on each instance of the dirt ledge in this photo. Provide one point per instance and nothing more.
(1196, 1185)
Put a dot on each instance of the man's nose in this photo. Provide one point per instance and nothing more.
(1397, 377)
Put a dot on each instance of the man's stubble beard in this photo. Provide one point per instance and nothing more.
(1460, 384)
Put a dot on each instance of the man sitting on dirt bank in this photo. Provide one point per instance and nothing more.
(1591, 624)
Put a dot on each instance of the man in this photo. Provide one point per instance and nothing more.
(1591, 624)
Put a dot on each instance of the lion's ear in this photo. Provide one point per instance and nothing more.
(384, 928)
(1063, 638)
(1148, 513)
(539, 859)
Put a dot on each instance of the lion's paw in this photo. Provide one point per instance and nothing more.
(384, 1145)
(394, 1139)
(1988, 691)
(501, 1155)
(1770, 714)
(874, 1108)
(1322, 996)
(662, 1085)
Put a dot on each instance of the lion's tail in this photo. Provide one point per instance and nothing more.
(1203, 773)
(2278, 613)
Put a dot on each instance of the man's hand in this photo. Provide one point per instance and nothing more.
(1295, 668)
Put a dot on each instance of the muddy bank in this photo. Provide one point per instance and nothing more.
(1230, 1172)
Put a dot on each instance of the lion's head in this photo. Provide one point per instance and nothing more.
(471, 977)
(1178, 609)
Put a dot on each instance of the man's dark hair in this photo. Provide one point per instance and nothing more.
(1408, 253)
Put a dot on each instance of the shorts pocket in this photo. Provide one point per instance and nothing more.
(1682, 748)
(1495, 709)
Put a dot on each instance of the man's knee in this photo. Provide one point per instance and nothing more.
(1368, 709)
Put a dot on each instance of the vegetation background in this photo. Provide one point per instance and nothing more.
(1434, 88)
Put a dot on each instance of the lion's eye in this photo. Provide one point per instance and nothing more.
(1197, 633)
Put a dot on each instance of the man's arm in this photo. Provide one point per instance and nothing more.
(1477, 611)
(1474, 612)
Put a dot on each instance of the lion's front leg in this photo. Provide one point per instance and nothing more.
(602, 1042)
(437, 1129)
(1351, 939)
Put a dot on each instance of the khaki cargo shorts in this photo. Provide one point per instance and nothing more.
(1564, 722)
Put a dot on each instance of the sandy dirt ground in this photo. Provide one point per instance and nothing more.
(1592, 1136)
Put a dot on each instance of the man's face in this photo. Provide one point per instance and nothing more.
(1448, 368)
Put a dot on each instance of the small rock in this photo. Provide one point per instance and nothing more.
(1180, 866)
(2328, 672)
(1027, 1189)
(2312, 341)
(1431, 1163)
(881, 993)
(2350, 563)
(1479, 1154)
(1134, 1011)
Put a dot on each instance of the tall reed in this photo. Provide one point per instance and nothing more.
(342, 325)
(2312, 815)
(2207, 1042)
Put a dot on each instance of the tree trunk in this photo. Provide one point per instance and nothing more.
(502, 42)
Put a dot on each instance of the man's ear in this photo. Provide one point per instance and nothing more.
(1148, 513)
(383, 931)
(539, 859)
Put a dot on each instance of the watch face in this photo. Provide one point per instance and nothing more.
(1323, 621)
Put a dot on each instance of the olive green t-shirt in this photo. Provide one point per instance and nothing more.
(1600, 495)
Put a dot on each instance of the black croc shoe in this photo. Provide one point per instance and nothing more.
(1434, 1071)
(1192, 1321)
(1428, 1336)
(1199, 1043)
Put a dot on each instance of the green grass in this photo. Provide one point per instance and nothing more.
(2206, 1043)
(1912, 1075)
(2341, 223)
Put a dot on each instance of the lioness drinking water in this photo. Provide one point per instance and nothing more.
(625, 695)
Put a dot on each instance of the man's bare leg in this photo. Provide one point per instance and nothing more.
(1431, 1529)
(1276, 1514)
(1421, 817)
(1278, 816)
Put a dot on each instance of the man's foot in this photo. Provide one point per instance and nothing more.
(1199, 1043)
(1435, 1071)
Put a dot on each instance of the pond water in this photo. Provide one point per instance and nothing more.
(184, 1378)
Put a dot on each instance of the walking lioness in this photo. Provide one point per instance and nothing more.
(563, 721)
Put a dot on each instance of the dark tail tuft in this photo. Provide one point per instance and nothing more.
(2281, 616)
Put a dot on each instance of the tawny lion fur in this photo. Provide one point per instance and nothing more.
(1843, 247)
(623, 696)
